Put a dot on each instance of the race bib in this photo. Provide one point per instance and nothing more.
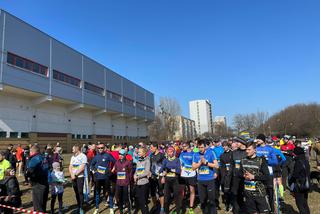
(171, 174)
(228, 166)
(270, 170)
(250, 185)
(187, 169)
(237, 164)
(140, 170)
(121, 175)
(101, 170)
(204, 170)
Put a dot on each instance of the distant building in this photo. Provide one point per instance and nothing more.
(220, 120)
(187, 129)
(201, 113)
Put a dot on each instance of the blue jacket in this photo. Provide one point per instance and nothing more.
(218, 151)
(38, 169)
(101, 164)
(269, 153)
(281, 155)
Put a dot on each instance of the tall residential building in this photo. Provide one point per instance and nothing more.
(186, 129)
(220, 120)
(201, 113)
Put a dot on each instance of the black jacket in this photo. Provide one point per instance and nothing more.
(10, 187)
(301, 171)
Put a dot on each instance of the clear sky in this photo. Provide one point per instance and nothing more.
(243, 55)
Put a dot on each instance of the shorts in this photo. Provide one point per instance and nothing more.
(257, 205)
(188, 181)
(277, 172)
(156, 187)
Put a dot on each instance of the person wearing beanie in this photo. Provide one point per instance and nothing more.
(268, 152)
(299, 180)
(56, 181)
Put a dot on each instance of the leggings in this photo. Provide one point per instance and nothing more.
(142, 194)
(172, 186)
(53, 201)
(122, 196)
(78, 190)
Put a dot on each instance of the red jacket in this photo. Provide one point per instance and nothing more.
(289, 147)
(123, 171)
(90, 154)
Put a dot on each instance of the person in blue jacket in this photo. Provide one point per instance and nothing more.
(170, 172)
(268, 152)
(205, 162)
(101, 166)
(37, 171)
(218, 150)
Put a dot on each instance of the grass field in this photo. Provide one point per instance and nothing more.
(289, 206)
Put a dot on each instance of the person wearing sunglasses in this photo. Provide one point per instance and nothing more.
(100, 166)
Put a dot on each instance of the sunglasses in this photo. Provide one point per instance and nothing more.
(100, 147)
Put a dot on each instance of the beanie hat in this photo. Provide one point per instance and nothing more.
(56, 165)
(261, 137)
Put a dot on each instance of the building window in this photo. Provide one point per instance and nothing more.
(93, 88)
(113, 96)
(78, 136)
(89, 136)
(3, 134)
(73, 136)
(66, 78)
(128, 101)
(140, 106)
(24, 135)
(26, 64)
(150, 109)
(14, 134)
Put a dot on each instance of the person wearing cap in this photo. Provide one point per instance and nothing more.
(100, 166)
(237, 184)
(299, 180)
(206, 164)
(123, 171)
(169, 172)
(56, 180)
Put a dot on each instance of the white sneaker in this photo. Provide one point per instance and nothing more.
(96, 211)
(111, 211)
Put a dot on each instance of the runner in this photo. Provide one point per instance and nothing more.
(188, 177)
(206, 164)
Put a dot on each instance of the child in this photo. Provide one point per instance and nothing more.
(56, 180)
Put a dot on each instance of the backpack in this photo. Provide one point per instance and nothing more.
(302, 184)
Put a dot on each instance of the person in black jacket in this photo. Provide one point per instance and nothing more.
(226, 174)
(11, 156)
(11, 189)
(299, 180)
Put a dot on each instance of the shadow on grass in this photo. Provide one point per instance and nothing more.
(287, 208)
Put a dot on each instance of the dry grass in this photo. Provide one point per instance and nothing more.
(70, 201)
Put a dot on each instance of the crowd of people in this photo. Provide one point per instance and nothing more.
(249, 175)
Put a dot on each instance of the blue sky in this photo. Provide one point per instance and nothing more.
(243, 55)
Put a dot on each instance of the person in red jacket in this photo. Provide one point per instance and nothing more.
(123, 171)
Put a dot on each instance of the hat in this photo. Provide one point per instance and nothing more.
(122, 152)
(130, 147)
(240, 140)
(261, 137)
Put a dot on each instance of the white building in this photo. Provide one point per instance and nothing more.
(186, 130)
(201, 113)
(220, 120)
